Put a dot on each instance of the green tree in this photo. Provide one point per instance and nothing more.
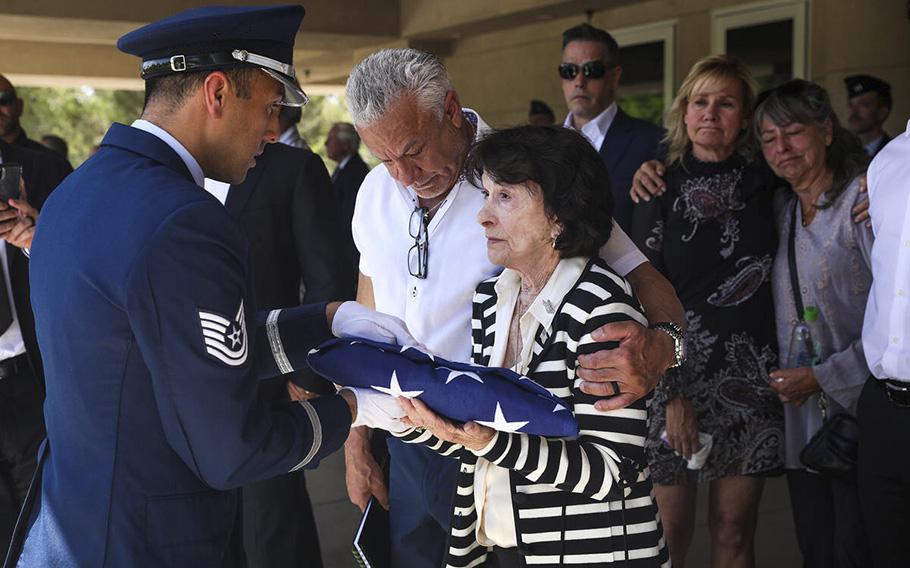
(318, 117)
(82, 115)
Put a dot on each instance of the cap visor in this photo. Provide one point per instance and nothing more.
(293, 95)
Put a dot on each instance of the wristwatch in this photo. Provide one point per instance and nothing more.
(679, 342)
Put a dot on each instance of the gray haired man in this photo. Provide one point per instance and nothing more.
(422, 255)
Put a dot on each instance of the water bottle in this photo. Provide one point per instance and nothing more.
(804, 348)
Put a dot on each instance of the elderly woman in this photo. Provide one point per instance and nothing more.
(821, 162)
(523, 499)
(710, 234)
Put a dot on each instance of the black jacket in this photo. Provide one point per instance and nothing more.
(41, 173)
(287, 210)
(346, 185)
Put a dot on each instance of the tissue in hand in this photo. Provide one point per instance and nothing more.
(698, 459)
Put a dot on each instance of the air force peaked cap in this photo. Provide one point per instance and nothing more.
(862, 84)
(222, 37)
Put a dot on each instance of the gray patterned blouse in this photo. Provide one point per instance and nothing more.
(833, 260)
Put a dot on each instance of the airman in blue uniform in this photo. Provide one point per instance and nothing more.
(146, 320)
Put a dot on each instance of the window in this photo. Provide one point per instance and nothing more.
(646, 54)
(770, 37)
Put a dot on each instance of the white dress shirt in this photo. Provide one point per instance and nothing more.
(596, 128)
(291, 137)
(217, 188)
(886, 325)
(492, 490)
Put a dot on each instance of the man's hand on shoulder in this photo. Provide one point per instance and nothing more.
(631, 370)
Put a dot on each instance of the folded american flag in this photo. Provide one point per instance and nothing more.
(495, 397)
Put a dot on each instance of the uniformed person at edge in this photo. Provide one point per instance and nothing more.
(142, 298)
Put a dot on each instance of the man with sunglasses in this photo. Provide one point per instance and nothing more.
(590, 73)
(11, 131)
(422, 254)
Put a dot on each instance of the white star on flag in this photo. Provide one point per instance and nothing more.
(427, 353)
(455, 374)
(499, 422)
(395, 389)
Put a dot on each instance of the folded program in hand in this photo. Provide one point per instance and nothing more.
(495, 397)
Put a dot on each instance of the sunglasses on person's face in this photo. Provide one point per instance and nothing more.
(7, 98)
(590, 70)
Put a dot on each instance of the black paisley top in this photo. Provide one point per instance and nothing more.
(712, 234)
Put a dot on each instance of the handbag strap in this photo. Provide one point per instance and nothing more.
(797, 295)
(791, 258)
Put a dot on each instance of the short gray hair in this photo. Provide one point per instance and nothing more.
(346, 133)
(386, 76)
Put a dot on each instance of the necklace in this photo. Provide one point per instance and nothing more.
(429, 214)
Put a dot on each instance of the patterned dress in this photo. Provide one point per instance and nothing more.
(712, 235)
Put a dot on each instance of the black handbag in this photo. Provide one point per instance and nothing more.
(833, 449)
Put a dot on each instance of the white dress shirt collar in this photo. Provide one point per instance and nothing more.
(176, 146)
(344, 161)
(596, 129)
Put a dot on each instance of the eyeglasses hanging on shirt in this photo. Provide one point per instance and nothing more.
(418, 254)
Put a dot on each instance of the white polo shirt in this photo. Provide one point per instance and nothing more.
(437, 309)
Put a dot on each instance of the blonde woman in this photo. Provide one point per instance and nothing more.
(712, 235)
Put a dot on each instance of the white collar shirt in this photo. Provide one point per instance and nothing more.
(492, 489)
(596, 129)
(291, 137)
(886, 325)
(11, 342)
(344, 161)
(191, 164)
(437, 309)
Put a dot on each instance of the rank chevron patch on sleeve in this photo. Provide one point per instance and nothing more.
(225, 340)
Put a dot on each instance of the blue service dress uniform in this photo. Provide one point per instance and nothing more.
(152, 346)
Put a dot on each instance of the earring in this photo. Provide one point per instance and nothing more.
(554, 241)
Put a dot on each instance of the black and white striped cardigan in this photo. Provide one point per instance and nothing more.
(572, 502)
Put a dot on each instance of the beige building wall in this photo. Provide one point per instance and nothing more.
(498, 73)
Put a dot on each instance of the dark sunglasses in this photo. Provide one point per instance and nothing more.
(590, 70)
(7, 98)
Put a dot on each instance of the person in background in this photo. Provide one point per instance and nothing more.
(342, 146)
(57, 144)
(821, 164)
(545, 216)
(590, 72)
(869, 104)
(287, 211)
(11, 131)
(288, 119)
(21, 371)
(884, 405)
(421, 256)
(540, 114)
(710, 235)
